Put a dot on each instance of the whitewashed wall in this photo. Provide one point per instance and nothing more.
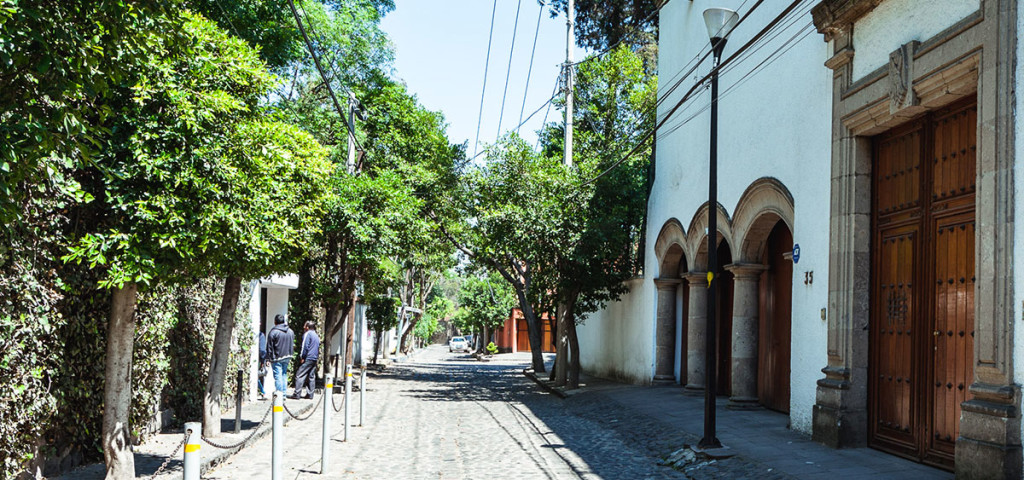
(776, 124)
(896, 22)
(617, 342)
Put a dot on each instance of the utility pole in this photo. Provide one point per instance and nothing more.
(352, 103)
(570, 39)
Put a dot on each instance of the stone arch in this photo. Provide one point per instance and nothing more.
(670, 252)
(670, 249)
(762, 205)
(698, 246)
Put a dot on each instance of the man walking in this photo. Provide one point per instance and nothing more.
(280, 348)
(305, 378)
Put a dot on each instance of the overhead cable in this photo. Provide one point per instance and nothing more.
(650, 134)
(316, 60)
(529, 72)
(483, 91)
(508, 73)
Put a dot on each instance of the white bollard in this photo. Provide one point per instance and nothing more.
(362, 389)
(325, 442)
(348, 391)
(277, 452)
(192, 460)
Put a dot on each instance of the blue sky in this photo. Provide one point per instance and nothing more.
(441, 47)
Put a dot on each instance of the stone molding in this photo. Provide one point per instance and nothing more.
(746, 271)
(834, 16)
(671, 233)
(765, 201)
(976, 56)
(698, 238)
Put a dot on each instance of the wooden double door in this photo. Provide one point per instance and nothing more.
(923, 284)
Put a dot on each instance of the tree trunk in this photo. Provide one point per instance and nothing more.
(561, 346)
(408, 330)
(350, 334)
(220, 357)
(574, 354)
(533, 331)
(376, 347)
(117, 388)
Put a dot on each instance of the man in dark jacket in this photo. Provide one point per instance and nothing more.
(305, 378)
(280, 348)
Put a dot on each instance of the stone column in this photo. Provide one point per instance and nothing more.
(746, 279)
(665, 330)
(697, 326)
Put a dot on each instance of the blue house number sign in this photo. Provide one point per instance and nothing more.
(796, 253)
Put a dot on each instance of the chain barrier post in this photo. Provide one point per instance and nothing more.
(325, 443)
(362, 389)
(278, 448)
(192, 459)
(348, 390)
(238, 402)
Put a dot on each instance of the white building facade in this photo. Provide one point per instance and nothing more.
(878, 137)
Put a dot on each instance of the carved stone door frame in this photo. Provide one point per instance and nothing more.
(976, 56)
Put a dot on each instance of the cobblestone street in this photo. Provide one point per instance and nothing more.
(448, 416)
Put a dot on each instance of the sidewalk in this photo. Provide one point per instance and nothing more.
(151, 454)
(757, 437)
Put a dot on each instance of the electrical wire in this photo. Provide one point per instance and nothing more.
(508, 73)
(650, 134)
(529, 72)
(483, 91)
(323, 76)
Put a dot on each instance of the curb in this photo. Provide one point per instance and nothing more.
(264, 430)
(544, 384)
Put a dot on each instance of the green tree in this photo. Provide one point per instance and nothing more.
(381, 316)
(599, 243)
(273, 191)
(153, 183)
(601, 24)
(484, 305)
(509, 206)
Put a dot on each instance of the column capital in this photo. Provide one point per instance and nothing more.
(667, 282)
(696, 278)
(744, 271)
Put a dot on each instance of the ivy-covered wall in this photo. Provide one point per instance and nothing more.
(52, 346)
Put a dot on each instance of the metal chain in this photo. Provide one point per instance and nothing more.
(335, 405)
(311, 411)
(172, 456)
(247, 437)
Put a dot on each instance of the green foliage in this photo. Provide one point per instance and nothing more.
(604, 23)
(152, 181)
(484, 303)
(61, 64)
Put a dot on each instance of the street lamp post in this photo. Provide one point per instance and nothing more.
(720, 21)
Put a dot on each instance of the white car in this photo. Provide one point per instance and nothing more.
(458, 344)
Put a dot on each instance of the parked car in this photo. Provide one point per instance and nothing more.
(458, 344)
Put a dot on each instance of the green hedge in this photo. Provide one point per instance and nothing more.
(53, 333)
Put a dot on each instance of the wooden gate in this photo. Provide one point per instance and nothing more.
(922, 295)
(774, 324)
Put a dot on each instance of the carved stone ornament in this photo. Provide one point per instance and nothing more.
(901, 88)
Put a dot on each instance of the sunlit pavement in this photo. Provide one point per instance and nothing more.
(447, 415)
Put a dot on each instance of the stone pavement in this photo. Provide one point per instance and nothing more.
(764, 445)
(449, 416)
(151, 454)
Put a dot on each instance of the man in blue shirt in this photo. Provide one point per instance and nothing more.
(305, 377)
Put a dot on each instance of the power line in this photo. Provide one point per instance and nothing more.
(508, 73)
(323, 76)
(650, 134)
(536, 31)
(483, 91)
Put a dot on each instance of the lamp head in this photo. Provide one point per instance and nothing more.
(720, 21)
